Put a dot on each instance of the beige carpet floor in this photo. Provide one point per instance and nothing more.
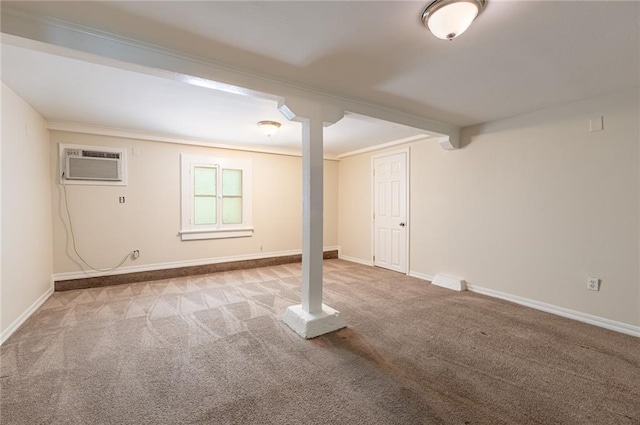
(212, 350)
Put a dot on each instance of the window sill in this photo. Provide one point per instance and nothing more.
(193, 235)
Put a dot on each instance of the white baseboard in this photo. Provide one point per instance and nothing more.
(26, 314)
(177, 264)
(560, 311)
(549, 308)
(355, 260)
(421, 276)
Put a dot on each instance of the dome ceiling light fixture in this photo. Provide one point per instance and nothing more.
(447, 19)
(270, 128)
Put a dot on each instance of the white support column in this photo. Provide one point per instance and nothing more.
(312, 318)
(312, 215)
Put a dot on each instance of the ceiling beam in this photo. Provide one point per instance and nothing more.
(125, 53)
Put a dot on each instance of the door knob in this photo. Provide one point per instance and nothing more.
(401, 224)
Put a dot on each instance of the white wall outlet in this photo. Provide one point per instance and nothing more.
(593, 283)
(135, 254)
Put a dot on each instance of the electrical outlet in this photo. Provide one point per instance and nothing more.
(593, 283)
(135, 254)
(121, 199)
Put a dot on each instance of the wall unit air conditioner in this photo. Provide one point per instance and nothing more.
(93, 165)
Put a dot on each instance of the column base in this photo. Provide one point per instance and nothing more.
(309, 325)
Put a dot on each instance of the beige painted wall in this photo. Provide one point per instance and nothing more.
(150, 219)
(530, 206)
(354, 207)
(26, 214)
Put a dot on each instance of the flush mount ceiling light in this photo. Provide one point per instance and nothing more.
(447, 19)
(269, 128)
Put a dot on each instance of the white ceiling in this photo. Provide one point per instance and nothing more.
(72, 91)
(517, 57)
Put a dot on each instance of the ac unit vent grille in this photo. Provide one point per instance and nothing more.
(98, 154)
(93, 165)
(92, 169)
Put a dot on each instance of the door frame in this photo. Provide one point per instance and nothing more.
(407, 152)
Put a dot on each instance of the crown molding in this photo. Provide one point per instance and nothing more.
(73, 127)
(381, 146)
(168, 138)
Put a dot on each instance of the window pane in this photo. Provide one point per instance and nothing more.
(231, 182)
(204, 210)
(231, 210)
(204, 181)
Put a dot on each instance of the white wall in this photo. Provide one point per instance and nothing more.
(149, 220)
(530, 206)
(26, 210)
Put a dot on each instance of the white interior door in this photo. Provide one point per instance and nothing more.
(390, 212)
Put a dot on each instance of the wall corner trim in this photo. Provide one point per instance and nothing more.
(449, 143)
(26, 314)
(560, 311)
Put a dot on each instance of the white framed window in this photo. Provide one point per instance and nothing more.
(216, 197)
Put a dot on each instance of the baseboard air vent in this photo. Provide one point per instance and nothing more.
(449, 282)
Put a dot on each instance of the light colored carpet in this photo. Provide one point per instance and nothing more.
(212, 350)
